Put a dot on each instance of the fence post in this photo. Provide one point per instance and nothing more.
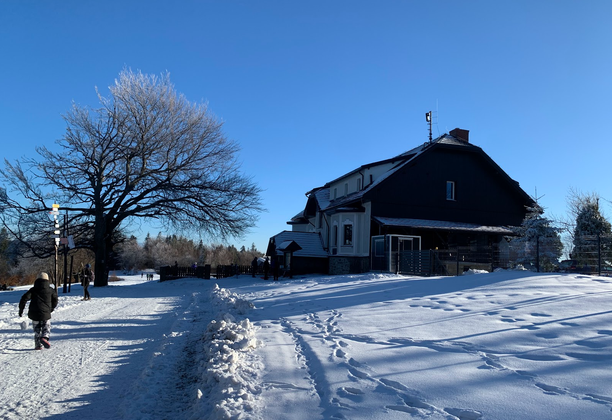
(599, 254)
(397, 263)
(538, 253)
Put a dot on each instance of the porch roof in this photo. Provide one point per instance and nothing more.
(441, 225)
(310, 244)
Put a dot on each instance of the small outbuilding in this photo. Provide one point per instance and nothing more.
(298, 253)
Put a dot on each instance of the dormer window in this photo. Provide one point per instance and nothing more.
(335, 193)
(358, 184)
(450, 190)
(346, 189)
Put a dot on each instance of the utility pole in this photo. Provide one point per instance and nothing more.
(65, 243)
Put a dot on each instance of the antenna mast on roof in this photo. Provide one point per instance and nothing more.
(428, 119)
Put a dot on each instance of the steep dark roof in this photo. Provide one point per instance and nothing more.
(446, 140)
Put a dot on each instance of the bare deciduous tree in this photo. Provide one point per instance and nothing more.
(146, 153)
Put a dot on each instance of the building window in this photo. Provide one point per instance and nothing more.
(348, 235)
(450, 190)
(335, 235)
(358, 184)
(335, 193)
(346, 189)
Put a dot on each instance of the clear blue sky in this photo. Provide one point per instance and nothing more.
(311, 90)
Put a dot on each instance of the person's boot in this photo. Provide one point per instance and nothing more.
(45, 342)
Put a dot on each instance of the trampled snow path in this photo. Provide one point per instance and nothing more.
(146, 351)
(110, 339)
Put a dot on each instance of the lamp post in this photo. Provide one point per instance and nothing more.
(56, 236)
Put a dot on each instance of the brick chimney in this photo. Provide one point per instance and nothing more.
(461, 134)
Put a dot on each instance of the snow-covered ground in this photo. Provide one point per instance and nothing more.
(506, 345)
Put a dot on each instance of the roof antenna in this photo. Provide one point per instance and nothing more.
(428, 119)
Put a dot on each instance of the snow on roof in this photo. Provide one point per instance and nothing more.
(311, 243)
(441, 224)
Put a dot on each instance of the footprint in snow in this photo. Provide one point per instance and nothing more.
(402, 408)
(462, 414)
(398, 386)
(358, 374)
(351, 390)
(601, 399)
(540, 314)
(551, 389)
(547, 335)
(590, 344)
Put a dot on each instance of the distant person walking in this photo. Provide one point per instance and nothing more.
(88, 276)
(43, 300)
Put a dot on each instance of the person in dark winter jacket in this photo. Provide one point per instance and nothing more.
(43, 300)
(88, 276)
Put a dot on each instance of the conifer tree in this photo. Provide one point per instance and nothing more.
(591, 234)
(538, 242)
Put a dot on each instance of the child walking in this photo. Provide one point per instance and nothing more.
(43, 301)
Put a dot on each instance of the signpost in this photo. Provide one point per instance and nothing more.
(67, 241)
(55, 236)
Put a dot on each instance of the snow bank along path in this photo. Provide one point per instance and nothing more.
(148, 351)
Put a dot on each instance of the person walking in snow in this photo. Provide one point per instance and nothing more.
(88, 276)
(43, 300)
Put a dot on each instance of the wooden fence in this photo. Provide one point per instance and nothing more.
(170, 272)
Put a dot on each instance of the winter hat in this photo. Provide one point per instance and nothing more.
(43, 276)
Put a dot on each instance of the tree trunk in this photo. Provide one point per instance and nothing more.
(100, 251)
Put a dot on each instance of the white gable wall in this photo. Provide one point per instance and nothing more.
(350, 184)
(332, 229)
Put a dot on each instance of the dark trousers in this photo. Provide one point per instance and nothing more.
(41, 329)
(86, 290)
